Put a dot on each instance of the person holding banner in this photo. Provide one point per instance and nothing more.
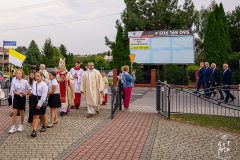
(67, 85)
(19, 87)
(77, 73)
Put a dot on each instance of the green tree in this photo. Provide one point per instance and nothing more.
(233, 19)
(33, 55)
(63, 50)
(120, 54)
(47, 49)
(201, 19)
(211, 40)
(101, 62)
(56, 55)
(20, 49)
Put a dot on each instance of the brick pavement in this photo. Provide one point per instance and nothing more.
(122, 138)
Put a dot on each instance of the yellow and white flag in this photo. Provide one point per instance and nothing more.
(16, 58)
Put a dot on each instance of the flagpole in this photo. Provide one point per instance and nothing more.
(3, 64)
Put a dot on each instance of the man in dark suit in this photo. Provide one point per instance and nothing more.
(200, 78)
(207, 78)
(216, 81)
(227, 75)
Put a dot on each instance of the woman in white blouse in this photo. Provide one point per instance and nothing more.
(39, 95)
(20, 88)
(54, 98)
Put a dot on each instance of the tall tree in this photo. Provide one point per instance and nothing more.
(33, 55)
(120, 56)
(63, 50)
(47, 49)
(201, 19)
(233, 19)
(211, 40)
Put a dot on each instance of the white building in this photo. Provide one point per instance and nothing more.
(108, 58)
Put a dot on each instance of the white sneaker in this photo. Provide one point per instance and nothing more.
(20, 128)
(12, 130)
(127, 110)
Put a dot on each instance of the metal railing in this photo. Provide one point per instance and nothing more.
(184, 100)
(5, 91)
(116, 99)
(163, 99)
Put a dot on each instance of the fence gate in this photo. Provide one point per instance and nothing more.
(163, 99)
(116, 101)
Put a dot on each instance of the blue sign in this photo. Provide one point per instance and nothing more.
(10, 43)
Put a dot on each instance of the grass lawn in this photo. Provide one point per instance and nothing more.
(222, 123)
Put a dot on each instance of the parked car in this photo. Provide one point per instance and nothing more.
(4, 76)
(110, 74)
(49, 69)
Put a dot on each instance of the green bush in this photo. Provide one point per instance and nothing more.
(175, 75)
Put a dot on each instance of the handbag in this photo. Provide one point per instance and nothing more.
(45, 103)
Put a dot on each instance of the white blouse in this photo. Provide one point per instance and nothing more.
(41, 90)
(20, 86)
(54, 83)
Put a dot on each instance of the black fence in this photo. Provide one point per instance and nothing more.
(178, 76)
(4, 92)
(116, 101)
(163, 99)
(178, 99)
(143, 77)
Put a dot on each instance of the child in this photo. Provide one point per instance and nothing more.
(105, 81)
(54, 98)
(39, 91)
(19, 87)
(30, 81)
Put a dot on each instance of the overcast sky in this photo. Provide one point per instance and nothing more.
(79, 35)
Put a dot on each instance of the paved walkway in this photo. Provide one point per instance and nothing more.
(142, 134)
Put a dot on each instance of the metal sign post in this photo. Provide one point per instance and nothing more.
(132, 57)
(6, 43)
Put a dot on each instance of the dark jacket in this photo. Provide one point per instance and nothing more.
(200, 73)
(216, 76)
(227, 75)
(207, 75)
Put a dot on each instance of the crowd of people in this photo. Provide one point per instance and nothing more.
(209, 78)
(57, 89)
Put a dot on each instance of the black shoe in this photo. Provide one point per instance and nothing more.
(72, 107)
(77, 107)
(195, 92)
(61, 113)
(232, 99)
(104, 103)
(49, 126)
(225, 102)
(43, 129)
(55, 123)
(221, 99)
(34, 133)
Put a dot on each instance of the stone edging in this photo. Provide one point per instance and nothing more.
(66, 153)
(148, 146)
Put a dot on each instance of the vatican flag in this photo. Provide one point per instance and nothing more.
(16, 58)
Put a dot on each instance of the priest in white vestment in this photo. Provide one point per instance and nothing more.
(77, 73)
(92, 87)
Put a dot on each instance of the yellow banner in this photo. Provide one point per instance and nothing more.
(139, 47)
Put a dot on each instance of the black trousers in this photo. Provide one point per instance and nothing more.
(30, 117)
(207, 85)
(228, 94)
(219, 89)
